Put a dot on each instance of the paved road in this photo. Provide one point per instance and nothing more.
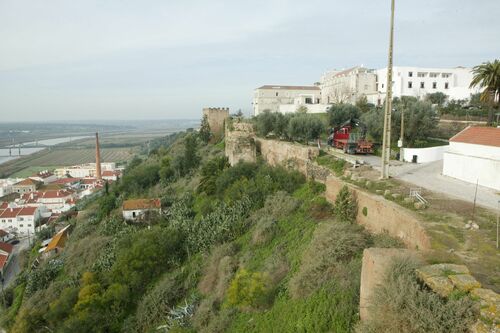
(13, 269)
(428, 176)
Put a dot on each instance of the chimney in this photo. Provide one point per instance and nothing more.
(97, 158)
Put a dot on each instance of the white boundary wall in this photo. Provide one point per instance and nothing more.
(473, 163)
(424, 155)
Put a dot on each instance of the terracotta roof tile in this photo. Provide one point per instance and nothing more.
(6, 247)
(26, 182)
(3, 260)
(141, 204)
(27, 211)
(10, 212)
(487, 136)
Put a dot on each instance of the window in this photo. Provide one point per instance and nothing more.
(434, 74)
(21, 225)
(276, 94)
(10, 220)
(421, 74)
(445, 75)
(410, 84)
(21, 219)
(29, 225)
(309, 100)
(422, 85)
(434, 85)
(410, 74)
(446, 85)
(382, 86)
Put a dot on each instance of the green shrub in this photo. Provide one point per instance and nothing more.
(332, 247)
(345, 207)
(365, 211)
(247, 290)
(41, 277)
(401, 304)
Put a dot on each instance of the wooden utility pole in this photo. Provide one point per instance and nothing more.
(386, 142)
(402, 135)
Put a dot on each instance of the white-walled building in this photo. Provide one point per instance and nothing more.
(136, 209)
(474, 156)
(83, 170)
(45, 177)
(347, 86)
(20, 219)
(270, 97)
(420, 81)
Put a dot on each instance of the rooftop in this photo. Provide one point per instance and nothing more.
(289, 87)
(59, 240)
(5, 247)
(26, 182)
(479, 135)
(3, 260)
(141, 204)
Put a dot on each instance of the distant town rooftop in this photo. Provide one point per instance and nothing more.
(479, 135)
(289, 87)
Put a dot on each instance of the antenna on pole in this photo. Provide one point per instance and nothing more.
(386, 142)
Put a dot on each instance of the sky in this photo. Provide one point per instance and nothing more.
(75, 60)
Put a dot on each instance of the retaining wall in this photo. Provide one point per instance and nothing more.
(383, 215)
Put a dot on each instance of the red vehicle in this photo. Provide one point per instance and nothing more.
(350, 137)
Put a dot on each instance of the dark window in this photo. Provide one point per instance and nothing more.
(410, 74)
(434, 85)
(446, 85)
(422, 85)
(309, 100)
(276, 94)
(410, 84)
(382, 86)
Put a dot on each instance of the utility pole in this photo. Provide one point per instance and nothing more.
(498, 219)
(386, 142)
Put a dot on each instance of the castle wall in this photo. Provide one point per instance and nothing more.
(240, 143)
(216, 119)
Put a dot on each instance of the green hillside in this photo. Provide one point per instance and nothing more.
(249, 248)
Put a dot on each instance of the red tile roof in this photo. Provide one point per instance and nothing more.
(141, 204)
(10, 213)
(27, 211)
(107, 173)
(26, 182)
(487, 136)
(3, 233)
(51, 194)
(3, 260)
(4, 205)
(6, 247)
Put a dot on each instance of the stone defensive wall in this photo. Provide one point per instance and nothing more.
(374, 212)
(380, 215)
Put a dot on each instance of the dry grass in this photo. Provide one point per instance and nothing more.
(220, 268)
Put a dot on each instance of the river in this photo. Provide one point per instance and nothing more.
(5, 156)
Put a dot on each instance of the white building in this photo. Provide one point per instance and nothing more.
(6, 185)
(270, 97)
(474, 156)
(420, 81)
(83, 170)
(20, 219)
(347, 86)
(45, 177)
(136, 209)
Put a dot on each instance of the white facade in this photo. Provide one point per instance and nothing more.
(347, 86)
(420, 81)
(310, 108)
(424, 155)
(473, 163)
(20, 219)
(83, 170)
(270, 97)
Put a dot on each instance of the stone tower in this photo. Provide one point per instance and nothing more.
(98, 173)
(216, 119)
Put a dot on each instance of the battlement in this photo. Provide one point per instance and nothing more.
(216, 119)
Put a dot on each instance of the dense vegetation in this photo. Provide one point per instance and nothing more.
(248, 248)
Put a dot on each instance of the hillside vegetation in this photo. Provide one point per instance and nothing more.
(249, 248)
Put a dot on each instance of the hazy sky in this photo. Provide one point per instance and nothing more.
(158, 59)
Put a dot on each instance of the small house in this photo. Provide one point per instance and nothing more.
(137, 209)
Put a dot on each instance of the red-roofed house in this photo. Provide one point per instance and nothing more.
(20, 219)
(111, 175)
(26, 185)
(56, 199)
(474, 156)
(5, 256)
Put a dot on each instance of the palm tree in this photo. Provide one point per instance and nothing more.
(487, 76)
